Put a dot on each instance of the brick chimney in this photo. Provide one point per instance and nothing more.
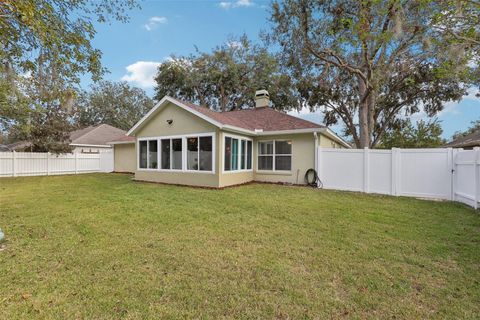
(262, 99)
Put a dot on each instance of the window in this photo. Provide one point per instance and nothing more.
(237, 154)
(275, 155)
(143, 155)
(152, 154)
(265, 155)
(165, 153)
(177, 154)
(192, 153)
(148, 157)
(199, 153)
(184, 153)
(206, 153)
(249, 155)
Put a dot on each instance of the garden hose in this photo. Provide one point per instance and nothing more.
(312, 179)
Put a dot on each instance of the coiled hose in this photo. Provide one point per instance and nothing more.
(312, 179)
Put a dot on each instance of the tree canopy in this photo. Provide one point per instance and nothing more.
(425, 134)
(45, 46)
(114, 103)
(369, 64)
(227, 78)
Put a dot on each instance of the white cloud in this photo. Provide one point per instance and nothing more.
(235, 4)
(142, 73)
(153, 22)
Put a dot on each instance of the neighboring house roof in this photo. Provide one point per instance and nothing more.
(19, 145)
(99, 135)
(256, 121)
(468, 141)
(4, 148)
(92, 136)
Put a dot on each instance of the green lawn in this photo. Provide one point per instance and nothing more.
(100, 246)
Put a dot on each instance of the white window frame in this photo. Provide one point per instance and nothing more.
(198, 153)
(274, 155)
(148, 153)
(184, 152)
(239, 156)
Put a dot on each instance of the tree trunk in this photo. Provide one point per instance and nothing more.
(371, 116)
(363, 115)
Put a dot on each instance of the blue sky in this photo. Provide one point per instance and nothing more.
(133, 50)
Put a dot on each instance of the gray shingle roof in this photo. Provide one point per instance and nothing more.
(468, 141)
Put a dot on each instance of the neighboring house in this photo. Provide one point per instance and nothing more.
(179, 142)
(4, 148)
(92, 139)
(469, 141)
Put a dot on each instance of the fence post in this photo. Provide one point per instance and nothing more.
(14, 163)
(394, 171)
(476, 179)
(366, 159)
(454, 173)
(76, 162)
(48, 163)
(451, 167)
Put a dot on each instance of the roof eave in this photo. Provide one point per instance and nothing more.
(121, 142)
(90, 145)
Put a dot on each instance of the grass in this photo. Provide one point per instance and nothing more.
(100, 246)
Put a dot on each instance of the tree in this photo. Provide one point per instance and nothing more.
(45, 48)
(227, 78)
(114, 103)
(370, 63)
(426, 134)
(475, 126)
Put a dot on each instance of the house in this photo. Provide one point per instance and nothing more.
(178, 142)
(469, 141)
(92, 139)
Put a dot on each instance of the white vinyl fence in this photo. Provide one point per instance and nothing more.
(13, 164)
(450, 174)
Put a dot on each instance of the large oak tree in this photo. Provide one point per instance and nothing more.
(370, 64)
(115, 103)
(227, 78)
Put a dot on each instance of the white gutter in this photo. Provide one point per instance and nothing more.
(90, 145)
(120, 142)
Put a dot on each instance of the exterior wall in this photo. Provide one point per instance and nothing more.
(183, 123)
(125, 158)
(326, 142)
(233, 178)
(303, 158)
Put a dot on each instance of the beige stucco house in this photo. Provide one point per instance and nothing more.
(178, 142)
